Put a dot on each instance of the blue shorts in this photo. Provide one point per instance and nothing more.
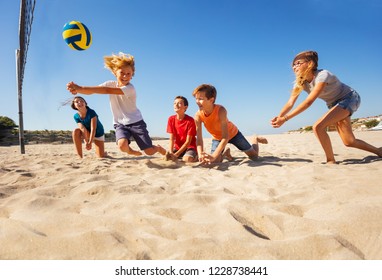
(350, 102)
(137, 130)
(238, 141)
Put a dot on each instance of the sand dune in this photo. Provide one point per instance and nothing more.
(286, 205)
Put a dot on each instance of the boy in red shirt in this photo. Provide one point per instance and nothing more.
(182, 130)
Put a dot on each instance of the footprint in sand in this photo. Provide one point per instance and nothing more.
(345, 243)
(259, 225)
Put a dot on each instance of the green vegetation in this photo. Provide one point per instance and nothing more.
(371, 123)
(308, 128)
(357, 124)
(9, 134)
(6, 122)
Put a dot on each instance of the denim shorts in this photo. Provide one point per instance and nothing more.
(238, 141)
(137, 130)
(350, 102)
(189, 152)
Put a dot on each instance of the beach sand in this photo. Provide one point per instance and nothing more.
(286, 205)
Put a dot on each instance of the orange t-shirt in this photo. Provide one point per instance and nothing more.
(213, 126)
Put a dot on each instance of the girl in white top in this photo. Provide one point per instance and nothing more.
(341, 100)
(127, 118)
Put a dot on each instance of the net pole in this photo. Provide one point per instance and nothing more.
(20, 103)
(20, 54)
(25, 26)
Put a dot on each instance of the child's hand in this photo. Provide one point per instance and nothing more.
(171, 156)
(72, 87)
(88, 146)
(277, 121)
(206, 158)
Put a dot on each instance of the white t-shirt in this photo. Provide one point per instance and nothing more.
(333, 90)
(124, 107)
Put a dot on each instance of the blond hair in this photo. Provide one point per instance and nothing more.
(312, 58)
(115, 62)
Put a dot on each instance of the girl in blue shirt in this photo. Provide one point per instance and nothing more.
(89, 129)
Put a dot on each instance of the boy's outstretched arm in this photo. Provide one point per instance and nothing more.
(74, 89)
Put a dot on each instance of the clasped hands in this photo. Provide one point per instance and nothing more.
(278, 121)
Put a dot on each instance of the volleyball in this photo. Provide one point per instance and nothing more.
(77, 35)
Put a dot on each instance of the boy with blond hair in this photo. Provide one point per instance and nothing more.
(127, 119)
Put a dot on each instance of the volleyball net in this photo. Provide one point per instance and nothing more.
(25, 28)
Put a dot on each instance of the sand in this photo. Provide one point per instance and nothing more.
(287, 205)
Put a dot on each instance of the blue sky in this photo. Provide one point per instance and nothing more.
(243, 47)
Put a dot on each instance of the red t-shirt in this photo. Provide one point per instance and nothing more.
(180, 129)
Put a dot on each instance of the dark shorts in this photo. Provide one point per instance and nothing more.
(137, 131)
(350, 102)
(239, 141)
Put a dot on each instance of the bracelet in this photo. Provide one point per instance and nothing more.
(286, 118)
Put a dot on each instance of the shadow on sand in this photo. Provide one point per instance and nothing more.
(365, 160)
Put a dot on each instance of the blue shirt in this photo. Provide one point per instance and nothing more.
(87, 121)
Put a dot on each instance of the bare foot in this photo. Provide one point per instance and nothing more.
(161, 150)
(330, 160)
(103, 155)
(380, 152)
(134, 152)
(227, 154)
(262, 140)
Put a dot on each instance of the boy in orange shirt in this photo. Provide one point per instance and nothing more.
(214, 118)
